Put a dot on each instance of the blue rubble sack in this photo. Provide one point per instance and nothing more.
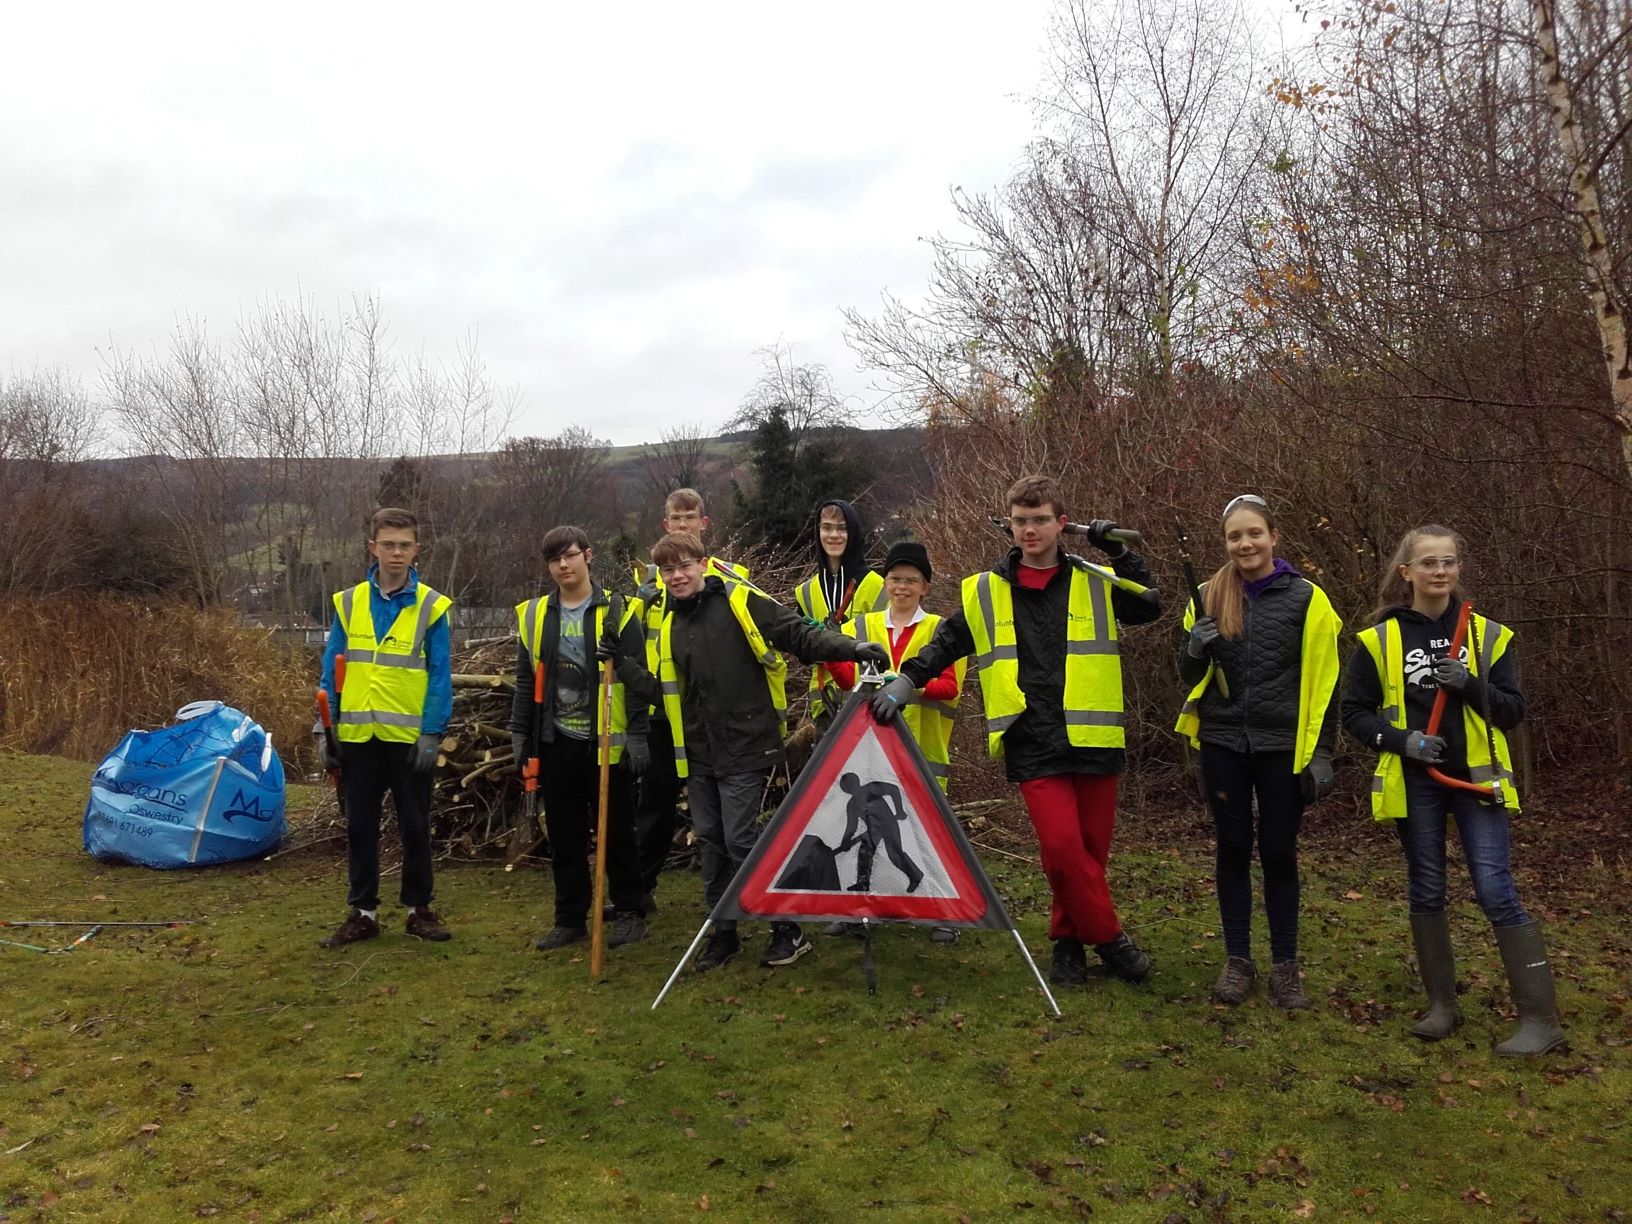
(207, 790)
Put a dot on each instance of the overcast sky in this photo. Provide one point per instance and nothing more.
(624, 202)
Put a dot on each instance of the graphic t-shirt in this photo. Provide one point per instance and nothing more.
(574, 676)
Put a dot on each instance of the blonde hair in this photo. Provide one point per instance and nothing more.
(1395, 588)
(1225, 591)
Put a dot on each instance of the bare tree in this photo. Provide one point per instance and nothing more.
(46, 423)
(676, 460)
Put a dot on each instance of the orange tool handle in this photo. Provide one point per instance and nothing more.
(1458, 639)
(340, 673)
(323, 715)
(529, 771)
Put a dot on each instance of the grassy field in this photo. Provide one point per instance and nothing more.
(233, 1068)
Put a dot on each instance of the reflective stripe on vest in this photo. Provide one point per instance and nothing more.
(1319, 670)
(530, 616)
(386, 682)
(812, 600)
(670, 684)
(930, 722)
(1383, 642)
(1094, 716)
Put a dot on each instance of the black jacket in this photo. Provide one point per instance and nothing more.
(1495, 695)
(730, 725)
(1036, 746)
(640, 686)
(1264, 667)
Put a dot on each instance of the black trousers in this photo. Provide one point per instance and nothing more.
(1233, 779)
(569, 783)
(369, 769)
(655, 821)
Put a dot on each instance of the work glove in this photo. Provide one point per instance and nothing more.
(422, 756)
(636, 755)
(608, 646)
(874, 654)
(887, 702)
(518, 749)
(1425, 748)
(1202, 637)
(1316, 780)
(1097, 535)
(1452, 674)
(647, 593)
(329, 751)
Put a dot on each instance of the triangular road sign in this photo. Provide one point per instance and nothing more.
(865, 833)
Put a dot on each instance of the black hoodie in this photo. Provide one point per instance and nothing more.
(1423, 642)
(853, 565)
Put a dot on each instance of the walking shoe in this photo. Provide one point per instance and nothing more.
(1235, 983)
(788, 944)
(1286, 986)
(944, 935)
(1125, 958)
(648, 907)
(560, 937)
(357, 926)
(424, 924)
(721, 947)
(1070, 967)
(629, 928)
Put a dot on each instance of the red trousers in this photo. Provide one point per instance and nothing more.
(1074, 815)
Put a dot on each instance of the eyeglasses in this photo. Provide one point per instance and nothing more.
(395, 546)
(833, 529)
(1245, 499)
(903, 580)
(566, 556)
(1438, 564)
(1021, 521)
(674, 571)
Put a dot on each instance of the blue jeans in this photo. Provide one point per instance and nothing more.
(1483, 831)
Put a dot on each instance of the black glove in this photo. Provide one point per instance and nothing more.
(636, 755)
(1452, 674)
(518, 748)
(1098, 535)
(422, 758)
(887, 702)
(608, 646)
(328, 750)
(1425, 748)
(872, 652)
(1316, 780)
(1202, 637)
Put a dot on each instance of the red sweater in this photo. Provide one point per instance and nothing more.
(943, 687)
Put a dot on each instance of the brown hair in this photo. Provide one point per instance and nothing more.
(1395, 589)
(1035, 490)
(558, 540)
(683, 499)
(677, 548)
(1225, 592)
(393, 516)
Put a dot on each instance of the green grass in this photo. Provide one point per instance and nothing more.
(232, 1067)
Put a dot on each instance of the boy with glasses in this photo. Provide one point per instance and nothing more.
(389, 721)
(1042, 624)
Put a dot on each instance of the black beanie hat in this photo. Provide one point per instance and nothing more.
(908, 552)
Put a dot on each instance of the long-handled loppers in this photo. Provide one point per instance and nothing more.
(1490, 792)
(326, 717)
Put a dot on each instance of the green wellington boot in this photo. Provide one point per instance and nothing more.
(1436, 964)
(1524, 956)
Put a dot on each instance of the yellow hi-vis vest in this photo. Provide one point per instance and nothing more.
(1387, 652)
(672, 684)
(530, 627)
(869, 597)
(1317, 677)
(386, 681)
(1094, 717)
(651, 615)
(929, 721)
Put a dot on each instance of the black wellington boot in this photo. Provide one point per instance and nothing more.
(1524, 956)
(1437, 966)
